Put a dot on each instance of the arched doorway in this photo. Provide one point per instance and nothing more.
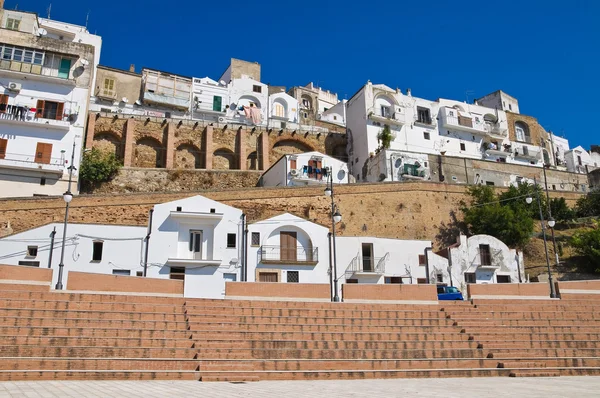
(224, 159)
(252, 161)
(149, 152)
(108, 142)
(188, 156)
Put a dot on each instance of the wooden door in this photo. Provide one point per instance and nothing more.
(288, 246)
(43, 152)
(268, 277)
(3, 144)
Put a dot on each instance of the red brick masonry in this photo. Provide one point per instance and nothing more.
(296, 290)
(117, 283)
(389, 292)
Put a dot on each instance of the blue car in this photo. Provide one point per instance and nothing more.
(449, 293)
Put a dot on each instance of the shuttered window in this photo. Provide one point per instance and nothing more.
(293, 164)
(3, 102)
(268, 277)
(485, 254)
(3, 144)
(43, 153)
(217, 103)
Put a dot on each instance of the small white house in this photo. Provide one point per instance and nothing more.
(302, 169)
(94, 248)
(578, 160)
(246, 93)
(287, 248)
(283, 109)
(476, 259)
(209, 98)
(335, 114)
(197, 240)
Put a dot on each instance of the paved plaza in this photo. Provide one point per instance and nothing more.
(578, 387)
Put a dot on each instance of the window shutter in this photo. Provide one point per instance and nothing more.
(311, 164)
(3, 102)
(217, 103)
(191, 241)
(39, 108)
(293, 164)
(60, 110)
(43, 153)
(319, 166)
(3, 144)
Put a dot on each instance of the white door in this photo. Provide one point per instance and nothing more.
(196, 244)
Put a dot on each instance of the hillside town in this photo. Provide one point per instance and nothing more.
(229, 188)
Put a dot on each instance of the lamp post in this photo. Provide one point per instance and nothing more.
(67, 196)
(529, 200)
(336, 217)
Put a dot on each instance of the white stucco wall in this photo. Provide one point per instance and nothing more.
(572, 160)
(336, 114)
(280, 173)
(241, 93)
(205, 90)
(289, 104)
(122, 248)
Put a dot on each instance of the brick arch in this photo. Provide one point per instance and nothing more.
(148, 152)
(108, 142)
(252, 161)
(188, 155)
(224, 159)
(289, 145)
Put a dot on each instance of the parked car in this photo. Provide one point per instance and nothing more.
(449, 293)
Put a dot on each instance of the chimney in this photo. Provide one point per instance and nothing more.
(131, 67)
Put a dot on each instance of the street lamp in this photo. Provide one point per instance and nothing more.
(67, 197)
(336, 217)
(551, 223)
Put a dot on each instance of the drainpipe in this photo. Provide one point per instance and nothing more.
(450, 266)
(243, 260)
(148, 242)
(330, 268)
(245, 249)
(392, 169)
(427, 249)
(52, 234)
(518, 266)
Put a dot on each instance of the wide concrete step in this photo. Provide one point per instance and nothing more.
(141, 374)
(336, 344)
(90, 332)
(91, 323)
(77, 341)
(499, 336)
(92, 306)
(530, 329)
(554, 323)
(97, 315)
(95, 352)
(312, 313)
(228, 353)
(535, 373)
(348, 336)
(193, 305)
(93, 297)
(42, 363)
(542, 352)
(309, 328)
(576, 344)
(281, 320)
(522, 316)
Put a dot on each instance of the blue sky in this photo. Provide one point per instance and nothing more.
(545, 53)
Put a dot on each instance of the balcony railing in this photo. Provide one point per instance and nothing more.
(25, 162)
(33, 69)
(397, 117)
(364, 264)
(23, 116)
(491, 259)
(495, 130)
(288, 255)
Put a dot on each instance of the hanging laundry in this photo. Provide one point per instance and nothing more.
(256, 115)
(305, 169)
(248, 112)
(325, 173)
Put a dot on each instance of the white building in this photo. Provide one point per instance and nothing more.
(336, 114)
(595, 155)
(578, 160)
(560, 146)
(283, 110)
(287, 248)
(499, 100)
(210, 99)
(419, 127)
(94, 248)
(477, 259)
(302, 169)
(245, 94)
(45, 84)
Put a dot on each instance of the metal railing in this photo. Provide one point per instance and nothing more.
(283, 254)
(361, 264)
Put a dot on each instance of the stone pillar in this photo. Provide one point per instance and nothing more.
(91, 126)
(208, 147)
(128, 151)
(170, 146)
(263, 151)
(241, 149)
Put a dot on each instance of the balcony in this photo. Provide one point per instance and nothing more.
(463, 121)
(495, 131)
(528, 153)
(397, 118)
(192, 262)
(24, 117)
(488, 260)
(23, 162)
(281, 255)
(367, 265)
(27, 71)
(303, 177)
(493, 150)
(196, 216)
(106, 94)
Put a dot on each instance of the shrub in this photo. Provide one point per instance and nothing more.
(97, 167)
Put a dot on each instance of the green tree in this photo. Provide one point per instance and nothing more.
(487, 214)
(588, 205)
(384, 138)
(587, 244)
(98, 166)
(560, 210)
(515, 198)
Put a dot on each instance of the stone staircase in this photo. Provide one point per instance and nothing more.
(60, 336)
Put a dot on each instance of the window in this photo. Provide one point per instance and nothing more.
(305, 103)
(43, 181)
(32, 251)
(579, 160)
(526, 151)
(470, 277)
(335, 118)
(123, 272)
(109, 87)
(228, 277)
(49, 110)
(421, 281)
(3, 144)
(293, 277)
(439, 278)
(268, 277)
(139, 273)
(217, 103)
(279, 110)
(43, 152)
(351, 280)
(426, 135)
(385, 111)
(257, 89)
(393, 280)
(463, 147)
(522, 132)
(305, 115)
(231, 241)
(510, 107)
(485, 254)
(325, 109)
(422, 260)
(255, 239)
(490, 183)
(503, 278)
(30, 263)
(12, 23)
(423, 115)
(195, 244)
(97, 250)
(177, 273)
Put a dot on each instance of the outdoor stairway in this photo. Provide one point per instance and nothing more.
(49, 335)
(535, 337)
